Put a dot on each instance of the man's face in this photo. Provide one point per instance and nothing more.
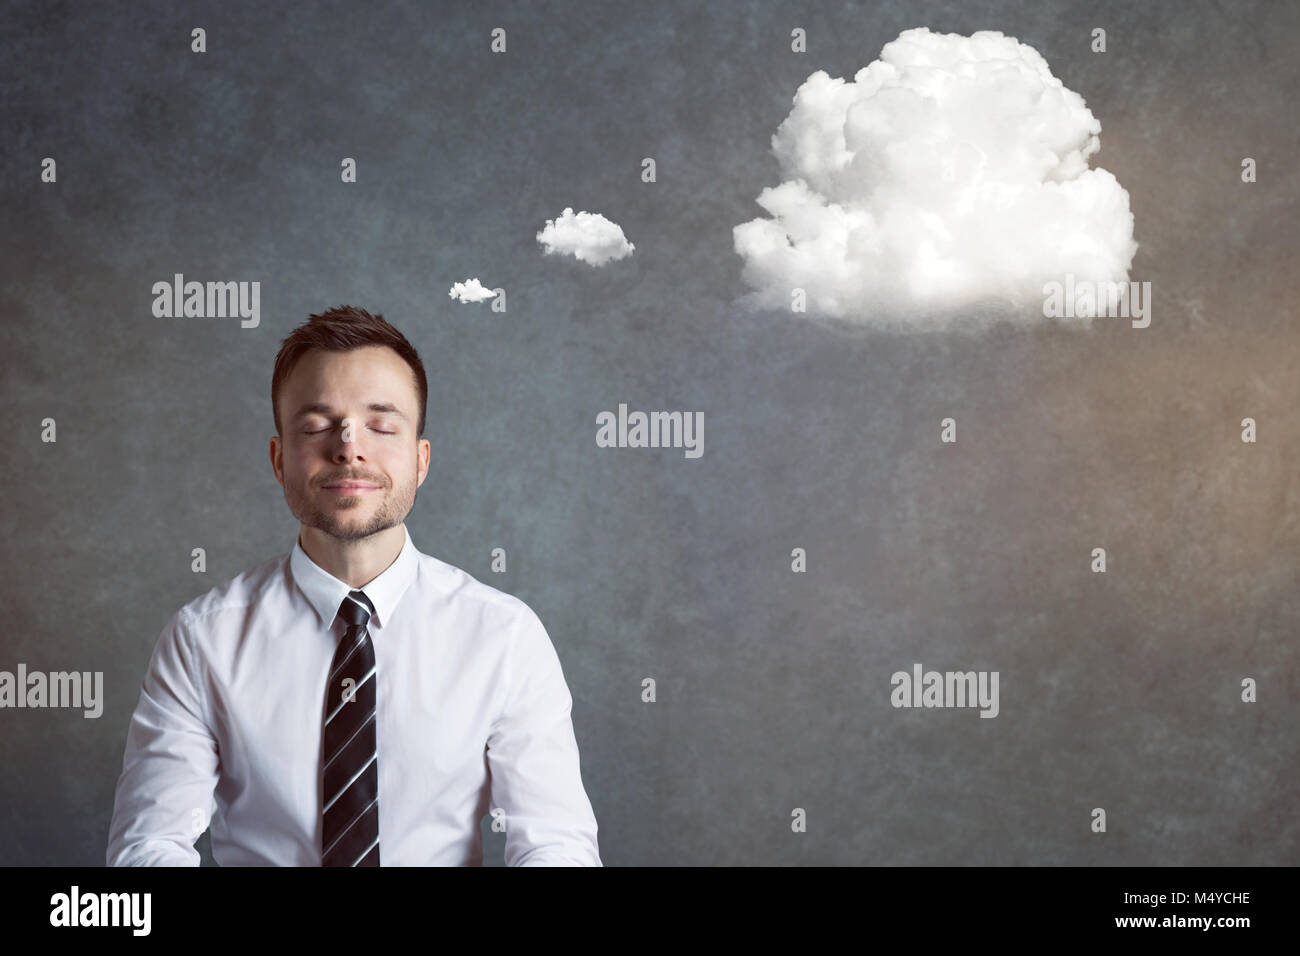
(349, 458)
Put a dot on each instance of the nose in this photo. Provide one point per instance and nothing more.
(345, 451)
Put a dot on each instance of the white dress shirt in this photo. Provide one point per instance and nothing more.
(472, 718)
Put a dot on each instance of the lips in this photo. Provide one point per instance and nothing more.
(351, 487)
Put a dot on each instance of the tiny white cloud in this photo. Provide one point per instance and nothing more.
(951, 172)
(470, 291)
(587, 236)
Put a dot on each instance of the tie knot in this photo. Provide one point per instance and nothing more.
(355, 609)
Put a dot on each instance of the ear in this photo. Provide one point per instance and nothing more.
(277, 459)
(421, 461)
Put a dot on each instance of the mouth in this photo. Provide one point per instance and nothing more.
(351, 489)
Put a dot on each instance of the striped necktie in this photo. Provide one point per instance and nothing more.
(350, 760)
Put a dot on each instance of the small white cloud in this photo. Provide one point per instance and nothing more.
(588, 236)
(950, 172)
(471, 291)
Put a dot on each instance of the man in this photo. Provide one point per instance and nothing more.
(355, 700)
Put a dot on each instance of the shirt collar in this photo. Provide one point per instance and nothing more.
(326, 592)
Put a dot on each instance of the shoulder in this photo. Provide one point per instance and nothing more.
(492, 608)
(236, 594)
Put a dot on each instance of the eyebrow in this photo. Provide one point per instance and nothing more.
(312, 408)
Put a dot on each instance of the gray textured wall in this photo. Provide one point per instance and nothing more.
(1118, 690)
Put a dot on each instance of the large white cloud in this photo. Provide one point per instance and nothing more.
(952, 171)
(588, 236)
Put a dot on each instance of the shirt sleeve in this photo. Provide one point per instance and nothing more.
(533, 759)
(169, 772)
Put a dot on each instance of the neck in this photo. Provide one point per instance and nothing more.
(356, 563)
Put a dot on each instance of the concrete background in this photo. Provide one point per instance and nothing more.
(1118, 690)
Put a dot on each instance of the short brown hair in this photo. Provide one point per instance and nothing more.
(342, 330)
